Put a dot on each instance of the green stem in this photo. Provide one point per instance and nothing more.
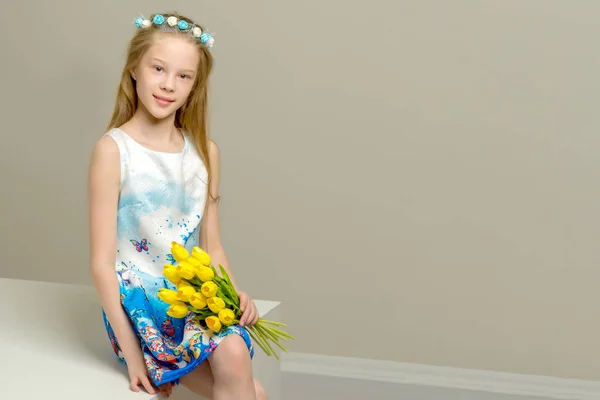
(268, 333)
(264, 340)
(198, 282)
(255, 339)
(266, 321)
(196, 310)
(272, 333)
(282, 333)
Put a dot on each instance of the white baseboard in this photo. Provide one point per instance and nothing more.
(456, 378)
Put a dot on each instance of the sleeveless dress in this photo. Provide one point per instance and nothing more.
(161, 200)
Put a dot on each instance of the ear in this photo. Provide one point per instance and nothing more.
(132, 73)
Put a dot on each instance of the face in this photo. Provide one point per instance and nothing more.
(166, 75)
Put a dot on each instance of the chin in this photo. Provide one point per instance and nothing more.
(160, 112)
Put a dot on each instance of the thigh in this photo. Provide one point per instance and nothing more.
(200, 380)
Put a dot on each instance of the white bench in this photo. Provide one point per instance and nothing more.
(53, 342)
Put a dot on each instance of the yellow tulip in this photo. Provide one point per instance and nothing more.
(179, 252)
(186, 270)
(213, 323)
(167, 295)
(215, 304)
(201, 255)
(205, 274)
(178, 310)
(172, 273)
(183, 283)
(209, 289)
(198, 300)
(185, 292)
(226, 316)
(194, 262)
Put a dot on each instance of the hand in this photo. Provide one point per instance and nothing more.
(138, 373)
(249, 310)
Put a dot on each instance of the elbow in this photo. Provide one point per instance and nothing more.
(98, 270)
(93, 273)
(217, 250)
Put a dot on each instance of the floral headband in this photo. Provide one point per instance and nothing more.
(172, 23)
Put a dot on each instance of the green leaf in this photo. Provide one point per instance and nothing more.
(230, 292)
(228, 279)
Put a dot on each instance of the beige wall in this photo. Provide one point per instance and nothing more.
(416, 180)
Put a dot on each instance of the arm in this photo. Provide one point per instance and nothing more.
(210, 234)
(210, 238)
(103, 189)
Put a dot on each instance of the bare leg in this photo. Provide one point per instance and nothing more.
(201, 381)
(232, 370)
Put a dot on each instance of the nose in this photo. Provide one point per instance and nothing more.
(168, 83)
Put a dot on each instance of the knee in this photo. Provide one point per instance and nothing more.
(231, 359)
(260, 391)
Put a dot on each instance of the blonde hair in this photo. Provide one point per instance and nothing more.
(192, 116)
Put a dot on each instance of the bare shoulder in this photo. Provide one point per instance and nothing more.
(105, 153)
(105, 160)
(213, 151)
(105, 147)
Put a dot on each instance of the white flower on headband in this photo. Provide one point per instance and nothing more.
(196, 31)
(210, 42)
(172, 21)
(146, 23)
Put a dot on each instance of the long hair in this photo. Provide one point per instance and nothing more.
(192, 116)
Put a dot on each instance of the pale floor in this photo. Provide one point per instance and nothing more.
(312, 387)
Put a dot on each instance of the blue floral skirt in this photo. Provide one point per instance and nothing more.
(172, 347)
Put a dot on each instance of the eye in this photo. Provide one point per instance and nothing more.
(158, 68)
(184, 76)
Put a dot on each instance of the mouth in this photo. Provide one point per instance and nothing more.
(163, 100)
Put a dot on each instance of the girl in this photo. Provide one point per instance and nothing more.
(154, 179)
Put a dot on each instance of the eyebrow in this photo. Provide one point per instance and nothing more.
(161, 61)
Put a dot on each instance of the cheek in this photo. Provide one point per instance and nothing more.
(147, 82)
(185, 89)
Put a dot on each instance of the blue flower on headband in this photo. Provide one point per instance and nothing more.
(159, 19)
(204, 38)
(183, 25)
(138, 22)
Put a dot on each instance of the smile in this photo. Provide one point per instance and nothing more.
(164, 101)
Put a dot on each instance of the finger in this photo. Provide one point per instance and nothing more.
(147, 385)
(243, 302)
(254, 317)
(249, 316)
(247, 305)
(134, 384)
(244, 314)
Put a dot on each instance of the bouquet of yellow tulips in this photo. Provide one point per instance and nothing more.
(212, 298)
